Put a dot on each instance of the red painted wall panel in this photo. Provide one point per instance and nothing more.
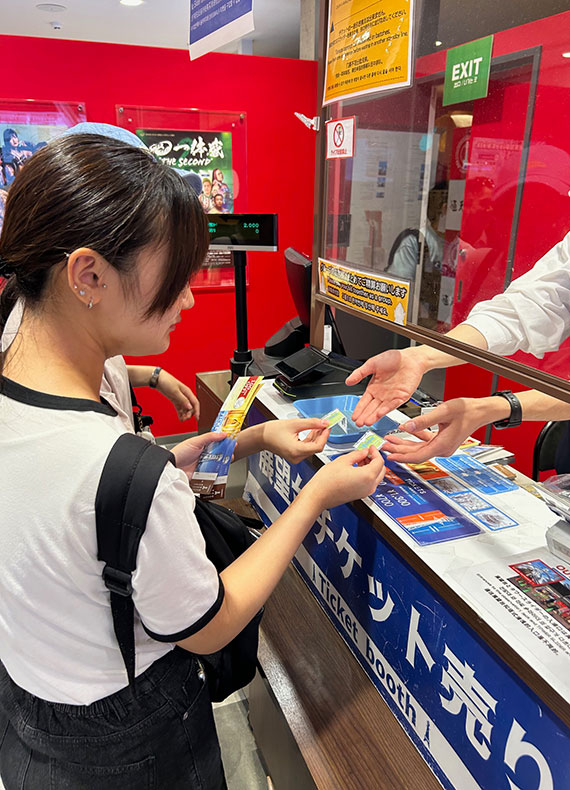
(545, 215)
(280, 165)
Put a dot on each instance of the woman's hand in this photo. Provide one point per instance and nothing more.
(350, 477)
(457, 419)
(282, 438)
(188, 452)
(185, 402)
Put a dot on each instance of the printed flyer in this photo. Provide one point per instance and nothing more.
(369, 47)
(528, 595)
(208, 154)
(445, 499)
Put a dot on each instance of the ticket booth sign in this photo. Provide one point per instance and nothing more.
(383, 297)
(473, 720)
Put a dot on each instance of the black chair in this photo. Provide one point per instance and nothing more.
(546, 446)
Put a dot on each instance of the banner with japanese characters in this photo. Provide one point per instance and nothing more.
(369, 47)
(474, 722)
(214, 23)
(383, 297)
(207, 154)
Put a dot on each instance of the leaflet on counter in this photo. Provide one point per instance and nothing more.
(211, 476)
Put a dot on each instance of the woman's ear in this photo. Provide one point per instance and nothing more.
(85, 269)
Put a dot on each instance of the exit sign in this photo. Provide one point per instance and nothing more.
(467, 71)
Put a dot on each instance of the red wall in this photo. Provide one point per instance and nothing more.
(280, 165)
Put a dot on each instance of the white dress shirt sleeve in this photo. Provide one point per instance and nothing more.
(533, 314)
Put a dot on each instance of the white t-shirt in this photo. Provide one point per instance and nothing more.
(533, 314)
(56, 632)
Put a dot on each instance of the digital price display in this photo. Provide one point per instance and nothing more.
(243, 231)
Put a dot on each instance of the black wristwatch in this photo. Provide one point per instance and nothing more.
(515, 417)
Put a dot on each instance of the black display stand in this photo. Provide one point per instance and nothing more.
(242, 357)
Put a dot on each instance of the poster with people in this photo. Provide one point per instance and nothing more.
(208, 154)
(17, 144)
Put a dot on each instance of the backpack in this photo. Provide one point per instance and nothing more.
(124, 497)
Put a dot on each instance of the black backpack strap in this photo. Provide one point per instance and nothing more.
(124, 496)
(140, 420)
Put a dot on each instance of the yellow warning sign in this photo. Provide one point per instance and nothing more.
(369, 47)
(384, 297)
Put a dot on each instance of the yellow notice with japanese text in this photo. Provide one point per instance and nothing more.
(373, 294)
(369, 47)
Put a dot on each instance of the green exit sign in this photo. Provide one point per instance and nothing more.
(467, 71)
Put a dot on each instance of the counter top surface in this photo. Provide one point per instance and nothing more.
(462, 569)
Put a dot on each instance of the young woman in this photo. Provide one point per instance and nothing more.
(98, 245)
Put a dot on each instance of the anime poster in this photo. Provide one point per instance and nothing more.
(18, 141)
(208, 154)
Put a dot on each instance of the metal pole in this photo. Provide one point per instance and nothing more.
(242, 355)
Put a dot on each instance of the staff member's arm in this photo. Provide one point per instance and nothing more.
(397, 374)
(458, 418)
(532, 315)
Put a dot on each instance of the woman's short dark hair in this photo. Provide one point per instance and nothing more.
(86, 190)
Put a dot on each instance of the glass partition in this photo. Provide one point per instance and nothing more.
(458, 200)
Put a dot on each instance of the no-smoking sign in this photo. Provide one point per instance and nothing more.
(340, 138)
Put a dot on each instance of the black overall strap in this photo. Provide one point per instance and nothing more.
(124, 496)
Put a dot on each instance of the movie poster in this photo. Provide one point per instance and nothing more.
(18, 141)
(208, 154)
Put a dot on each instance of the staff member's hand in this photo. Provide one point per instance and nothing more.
(395, 377)
(457, 419)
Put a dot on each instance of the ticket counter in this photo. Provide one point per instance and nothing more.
(459, 637)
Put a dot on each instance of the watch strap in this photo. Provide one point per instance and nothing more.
(154, 378)
(515, 417)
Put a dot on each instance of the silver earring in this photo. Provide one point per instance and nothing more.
(75, 287)
(82, 292)
(104, 285)
(90, 305)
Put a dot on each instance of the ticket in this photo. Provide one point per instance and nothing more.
(336, 417)
(369, 439)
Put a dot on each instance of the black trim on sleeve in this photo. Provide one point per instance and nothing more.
(197, 626)
(43, 400)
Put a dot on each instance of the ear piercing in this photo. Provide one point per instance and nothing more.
(90, 305)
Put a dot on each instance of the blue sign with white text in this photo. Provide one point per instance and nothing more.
(209, 16)
(473, 720)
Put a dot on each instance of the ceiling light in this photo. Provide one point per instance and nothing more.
(52, 8)
(438, 43)
(566, 54)
(131, 2)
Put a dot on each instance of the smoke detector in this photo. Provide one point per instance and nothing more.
(51, 8)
